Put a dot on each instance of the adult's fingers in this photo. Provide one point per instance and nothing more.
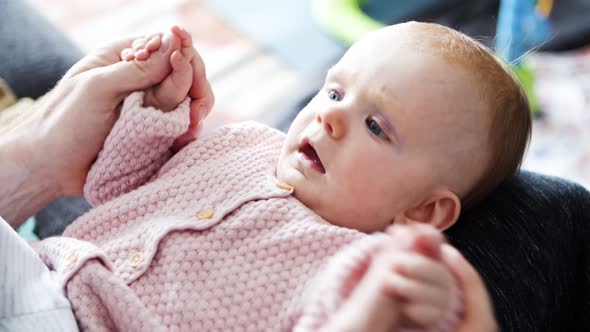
(422, 314)
(421, 268)
(103, 56)
(422, 238)
(412, 291)
(202, 102)
(123, 77)
(186, 138)
(201, 89)
(466, 274)
(198, 113)
(109, 54)
(478, 311)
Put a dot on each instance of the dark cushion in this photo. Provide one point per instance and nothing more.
(529, 240)
(35, 54)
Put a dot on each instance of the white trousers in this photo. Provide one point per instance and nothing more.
(29, 298)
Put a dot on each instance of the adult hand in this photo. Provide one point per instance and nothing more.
(79, 113)
(478, 311)
(202, 101)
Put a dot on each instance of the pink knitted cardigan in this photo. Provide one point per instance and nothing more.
(206, 240)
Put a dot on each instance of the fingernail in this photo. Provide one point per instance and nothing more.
(154, 39)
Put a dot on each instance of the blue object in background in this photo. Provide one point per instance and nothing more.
(27, 230)
(391, 12)
(521, 27)
(283, 27)
(287, 28)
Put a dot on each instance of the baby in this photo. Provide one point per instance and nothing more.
(249, 229)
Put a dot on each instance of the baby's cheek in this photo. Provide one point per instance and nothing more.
(303, 118)
(345, 204)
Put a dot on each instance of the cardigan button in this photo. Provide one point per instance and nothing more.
(205, 214)
(284, 186)
(71, 259)
(136, 259)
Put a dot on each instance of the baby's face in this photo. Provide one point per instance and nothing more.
(381, 134)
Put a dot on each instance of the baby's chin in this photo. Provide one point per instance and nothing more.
(281, 172)
(303, 194)
(308, 193)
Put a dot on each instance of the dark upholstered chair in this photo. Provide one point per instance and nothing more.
(530, 240)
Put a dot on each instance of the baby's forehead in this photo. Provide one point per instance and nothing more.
(418, 56)
(418, 38)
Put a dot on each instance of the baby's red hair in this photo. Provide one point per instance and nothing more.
(509, 109)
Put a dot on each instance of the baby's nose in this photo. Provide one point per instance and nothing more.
(333, 122)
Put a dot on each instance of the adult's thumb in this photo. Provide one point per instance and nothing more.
(127, 76)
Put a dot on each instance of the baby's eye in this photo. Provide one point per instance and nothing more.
(375, 128)
(334, 95)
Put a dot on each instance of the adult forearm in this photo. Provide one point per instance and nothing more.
(24, 189)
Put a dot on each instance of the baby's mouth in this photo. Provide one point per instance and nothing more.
(307, 150)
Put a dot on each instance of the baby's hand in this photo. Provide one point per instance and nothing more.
(405, 284)
(174, 88)
(415, 275)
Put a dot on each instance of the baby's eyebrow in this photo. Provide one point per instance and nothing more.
(396, 136)
(333, 74)
(381, 106)
(330, 71)
(390, 127)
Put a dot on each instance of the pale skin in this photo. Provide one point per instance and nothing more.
(405, 283)
(48, 155)
(37, 167)
(379, 145)
(388, 128)
(175, 86)
(408, 281)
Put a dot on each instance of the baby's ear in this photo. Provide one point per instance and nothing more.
(441, 210)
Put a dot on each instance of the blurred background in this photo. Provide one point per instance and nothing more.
(266, 57)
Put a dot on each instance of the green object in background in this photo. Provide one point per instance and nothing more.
(26, 230)
(344, 19)
(526, 76)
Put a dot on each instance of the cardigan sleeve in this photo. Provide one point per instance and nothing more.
(136, 148)
(340, 277)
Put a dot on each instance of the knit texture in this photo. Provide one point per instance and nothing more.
(203, 240)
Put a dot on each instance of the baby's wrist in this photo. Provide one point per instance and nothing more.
(149, 100)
